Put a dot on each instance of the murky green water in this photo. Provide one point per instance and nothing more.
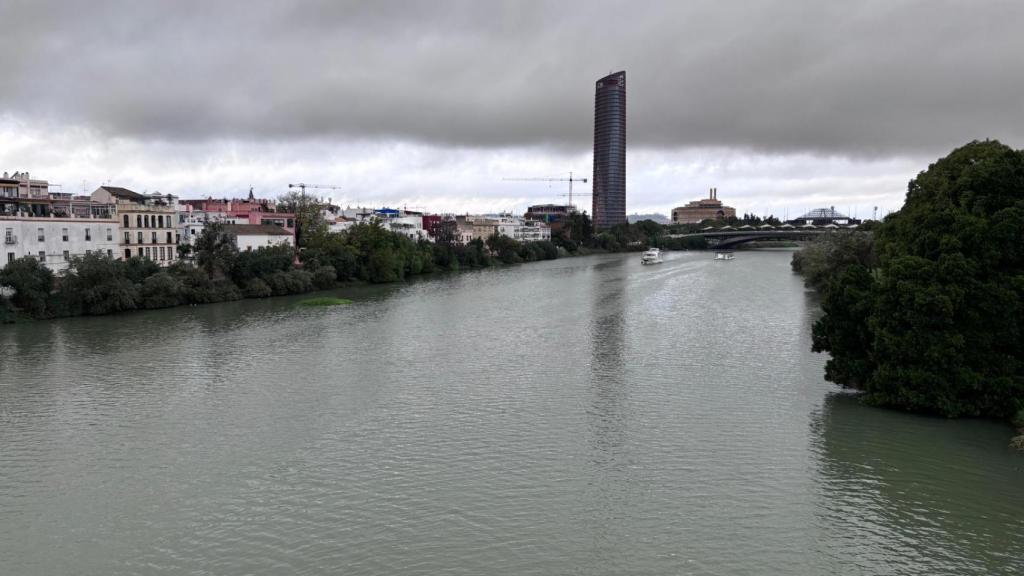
(582, 416)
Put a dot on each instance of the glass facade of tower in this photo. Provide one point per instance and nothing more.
(609, 183)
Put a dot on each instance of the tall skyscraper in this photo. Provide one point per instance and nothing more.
(609, 183)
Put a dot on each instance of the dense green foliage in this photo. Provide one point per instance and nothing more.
(96, 284)
(31, 282)
(371, 253)
(929, 317)
(831, 254)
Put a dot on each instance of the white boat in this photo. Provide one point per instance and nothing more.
(652, 256)
(723, 256)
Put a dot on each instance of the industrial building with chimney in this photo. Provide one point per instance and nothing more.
(710, 208)
(609, 183)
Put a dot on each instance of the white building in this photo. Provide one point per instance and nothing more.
(340, 224)
(406, 223)
(191, 223)
(54, 241)
(522, 230)
(52, 227)
(253, 236)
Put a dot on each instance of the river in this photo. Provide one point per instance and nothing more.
(580, 416)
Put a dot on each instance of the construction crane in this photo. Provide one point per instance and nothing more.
(302, 186)
(570, 180)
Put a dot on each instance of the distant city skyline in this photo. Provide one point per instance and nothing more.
(434, 104)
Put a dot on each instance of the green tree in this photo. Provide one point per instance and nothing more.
(8, 313)
(504, 248)
(216, 250)
(944, 309)
(98, 284)
(32, 283)
(308, 210)
(844, 329)
(162, 290)
(261, 262)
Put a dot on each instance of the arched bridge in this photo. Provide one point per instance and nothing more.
(732, 238)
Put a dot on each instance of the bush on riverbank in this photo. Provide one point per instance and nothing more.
(930, 319)
(95, 284)
(373, 254)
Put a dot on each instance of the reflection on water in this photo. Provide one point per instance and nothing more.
(586, 415)
(918, 491)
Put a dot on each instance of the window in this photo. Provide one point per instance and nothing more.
(177, 238)
(88, 235)
(153, 236)
(170, 253)
(160, 221)
(64, 234)
(110, 234)
(162, 253)
(138, 236)
(42, 256)
(110, 253)
(127, 253)
(169, 238)
(127, 237)
(145, 220)
(41, 235)
(67, 256)
(88, 252)
(126, 221)
(138, 220)
(10, 256)
(148, 255)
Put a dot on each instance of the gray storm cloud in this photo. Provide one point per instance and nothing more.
(848, 78)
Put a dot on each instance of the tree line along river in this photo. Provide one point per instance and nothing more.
(584, 415)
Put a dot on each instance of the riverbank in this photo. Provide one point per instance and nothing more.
(96, 285)
(925, 313)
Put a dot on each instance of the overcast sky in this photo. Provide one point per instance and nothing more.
(783, 105)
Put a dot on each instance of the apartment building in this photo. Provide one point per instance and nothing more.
(148, 222)
(51, 226)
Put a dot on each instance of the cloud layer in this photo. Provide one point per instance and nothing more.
(853, 78)
(782, 104)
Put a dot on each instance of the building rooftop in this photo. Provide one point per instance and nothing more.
(119, 192)
(823, 213)
(256, 230)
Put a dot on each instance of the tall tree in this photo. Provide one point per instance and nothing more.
(216, 250)
(309, 215)
(938, 326)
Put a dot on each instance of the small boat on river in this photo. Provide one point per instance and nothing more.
(652, 256)
(723, 256)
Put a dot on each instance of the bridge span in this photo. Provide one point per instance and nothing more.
(732, 238)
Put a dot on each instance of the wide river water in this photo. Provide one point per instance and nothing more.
(579, 416)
